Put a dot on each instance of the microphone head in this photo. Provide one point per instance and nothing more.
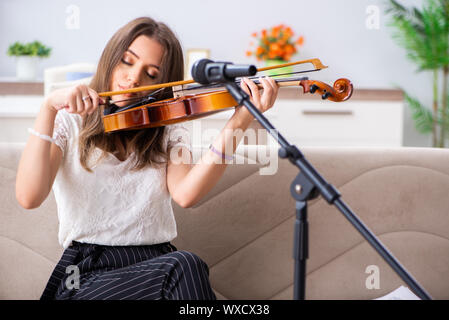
(198, 71)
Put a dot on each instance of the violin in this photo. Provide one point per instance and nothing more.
(149, 113)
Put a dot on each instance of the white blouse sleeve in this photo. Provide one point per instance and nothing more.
(178, 136)
(61, 131)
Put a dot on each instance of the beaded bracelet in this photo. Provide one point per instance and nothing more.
(42, 136)
(223, 156)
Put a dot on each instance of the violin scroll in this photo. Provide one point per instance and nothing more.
(341, 90)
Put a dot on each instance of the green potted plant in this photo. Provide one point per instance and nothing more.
(425, 36)
(28, 55)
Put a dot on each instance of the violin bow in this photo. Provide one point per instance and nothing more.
(315, 62)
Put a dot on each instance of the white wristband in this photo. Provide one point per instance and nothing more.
(42, 136)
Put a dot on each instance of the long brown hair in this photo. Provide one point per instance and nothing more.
(145, 143)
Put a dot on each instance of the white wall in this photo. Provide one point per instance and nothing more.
(334, 31)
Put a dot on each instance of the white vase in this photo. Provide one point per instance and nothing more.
(26, 67)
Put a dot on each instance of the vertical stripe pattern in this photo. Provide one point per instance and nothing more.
(129, 272)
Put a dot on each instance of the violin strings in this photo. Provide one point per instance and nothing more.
(194, 87)
(209, 86)
(134, 98)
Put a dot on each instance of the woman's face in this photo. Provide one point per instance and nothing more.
(139, 66)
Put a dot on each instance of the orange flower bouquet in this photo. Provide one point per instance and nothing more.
(276, 43)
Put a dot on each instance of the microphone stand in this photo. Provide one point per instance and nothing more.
(308, 185)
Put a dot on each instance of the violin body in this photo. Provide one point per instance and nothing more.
(191, 107)
(169, 111)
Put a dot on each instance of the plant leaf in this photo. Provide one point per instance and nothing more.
(423, 116)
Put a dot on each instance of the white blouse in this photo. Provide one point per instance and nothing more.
(112, 205)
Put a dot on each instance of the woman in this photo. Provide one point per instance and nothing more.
(114, 190)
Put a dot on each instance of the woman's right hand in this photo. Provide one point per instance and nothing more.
(79, 99)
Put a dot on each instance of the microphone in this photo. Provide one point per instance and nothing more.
(206, 71)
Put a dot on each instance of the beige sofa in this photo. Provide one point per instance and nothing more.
(243, 229)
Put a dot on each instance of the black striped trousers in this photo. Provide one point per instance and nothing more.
(90, 271)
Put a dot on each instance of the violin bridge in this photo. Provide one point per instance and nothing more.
(177, 91)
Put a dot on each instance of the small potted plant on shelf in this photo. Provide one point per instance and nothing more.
(275, 46)
(28, 55)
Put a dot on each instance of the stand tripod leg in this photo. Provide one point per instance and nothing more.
(301, 250)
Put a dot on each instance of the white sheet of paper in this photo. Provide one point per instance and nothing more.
(401, 293)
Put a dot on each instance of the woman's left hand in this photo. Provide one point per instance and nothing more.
(263, 101)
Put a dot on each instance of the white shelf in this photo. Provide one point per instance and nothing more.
(12, 106)
(325, 124)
